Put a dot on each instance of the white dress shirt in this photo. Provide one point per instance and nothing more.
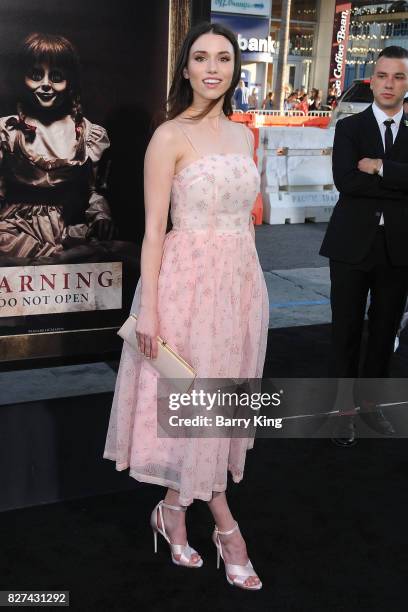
(381, 117)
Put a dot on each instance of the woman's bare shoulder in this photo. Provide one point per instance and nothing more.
(168, 133)
(241, 128)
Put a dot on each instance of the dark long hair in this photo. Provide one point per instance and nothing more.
(56, 51)
(181, 92)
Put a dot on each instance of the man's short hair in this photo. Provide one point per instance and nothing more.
(393, 52)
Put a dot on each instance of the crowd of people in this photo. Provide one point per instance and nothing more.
(298, 99)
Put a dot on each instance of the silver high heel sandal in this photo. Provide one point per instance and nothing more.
(241, 572)
(185, 551)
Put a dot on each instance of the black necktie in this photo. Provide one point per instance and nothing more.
(389, 140)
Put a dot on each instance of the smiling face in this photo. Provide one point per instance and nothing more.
(47, 87)
(389, 83)
(210, 66)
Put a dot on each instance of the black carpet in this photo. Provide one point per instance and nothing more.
(303, 352)
(325, 526)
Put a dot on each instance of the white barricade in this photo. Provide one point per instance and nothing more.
(296, 176)
(278, 113)
(326, 113)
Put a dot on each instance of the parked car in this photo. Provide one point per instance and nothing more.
(353, 100)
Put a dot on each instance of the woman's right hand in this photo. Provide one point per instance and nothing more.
(147, 329)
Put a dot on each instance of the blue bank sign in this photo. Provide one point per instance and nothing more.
(253, 36)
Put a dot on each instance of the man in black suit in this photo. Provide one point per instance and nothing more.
(367, 237)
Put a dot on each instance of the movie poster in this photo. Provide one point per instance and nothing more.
(81, 84)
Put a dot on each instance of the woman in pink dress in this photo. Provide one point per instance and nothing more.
(202, 289)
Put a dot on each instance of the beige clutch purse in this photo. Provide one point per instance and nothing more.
(168, 363)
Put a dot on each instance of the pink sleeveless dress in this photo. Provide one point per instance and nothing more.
(213, 308)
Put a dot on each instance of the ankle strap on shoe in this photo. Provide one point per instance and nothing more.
(181, 508)
(226, 532)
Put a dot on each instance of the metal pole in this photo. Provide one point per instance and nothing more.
(283, 55)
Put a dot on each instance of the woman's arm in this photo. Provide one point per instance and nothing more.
(160, 161)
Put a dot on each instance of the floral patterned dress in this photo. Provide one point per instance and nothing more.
(213, 308)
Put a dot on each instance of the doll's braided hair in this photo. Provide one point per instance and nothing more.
(56, 51)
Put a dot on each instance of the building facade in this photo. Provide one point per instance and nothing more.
(257, 28)
(372, 26)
